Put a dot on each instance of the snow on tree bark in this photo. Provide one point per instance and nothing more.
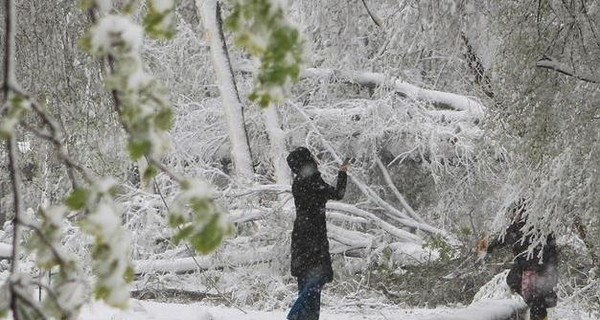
(232, 105)
(277, 147)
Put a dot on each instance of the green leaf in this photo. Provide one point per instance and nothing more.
(176, 220)
(201, 207)
(101, 292)
(183, 234)
(279, 48)
(150, 172)
(129, 274)
(164, 119)
(139, 148)
(78, 199)
(154, 24)
(87, 4)
(209, 238)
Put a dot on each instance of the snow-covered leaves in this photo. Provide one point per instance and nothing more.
(198, 218)
(159, 22)
(141, 101)
(261, 28)
(146, 116)
(111, 253)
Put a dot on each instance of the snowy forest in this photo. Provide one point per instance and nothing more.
(144, 147)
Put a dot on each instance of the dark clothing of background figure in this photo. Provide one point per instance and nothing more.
(310, 246)
(545, 271)
(311, 261)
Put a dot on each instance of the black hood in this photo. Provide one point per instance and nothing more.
(299, 158)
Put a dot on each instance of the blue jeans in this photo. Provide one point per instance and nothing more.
(308, 304)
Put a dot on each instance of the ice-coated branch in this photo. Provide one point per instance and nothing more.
(547, 62)
(11, 145)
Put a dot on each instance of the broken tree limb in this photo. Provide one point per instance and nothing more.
(238, 258)
(373, 80)
(398, 233)
(390, 210)
(386, 176)
(200, 263)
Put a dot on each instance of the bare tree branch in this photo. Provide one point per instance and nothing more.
(481, 77)
(11, 146)
(372, 15)
(547, 62)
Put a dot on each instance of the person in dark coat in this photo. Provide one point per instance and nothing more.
(533, 278)
(311, 261)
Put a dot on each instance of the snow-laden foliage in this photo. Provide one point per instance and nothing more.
(142, 104)
(145, 114)
(262, 29)
(17, 107)
(205, 227)
(382, 94)
(547, 121)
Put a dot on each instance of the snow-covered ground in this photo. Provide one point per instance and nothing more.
(148, 310)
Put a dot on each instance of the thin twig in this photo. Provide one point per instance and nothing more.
(372, 15)
(547, 62)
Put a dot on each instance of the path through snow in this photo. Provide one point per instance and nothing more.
(148, 310)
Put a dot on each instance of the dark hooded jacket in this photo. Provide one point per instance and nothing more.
(519, 243)
(515, 237)
(310, 246)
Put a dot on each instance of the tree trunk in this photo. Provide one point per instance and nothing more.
(277, 140)
(213, 27)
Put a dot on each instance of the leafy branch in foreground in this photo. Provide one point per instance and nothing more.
(146, 115)
(261, 28)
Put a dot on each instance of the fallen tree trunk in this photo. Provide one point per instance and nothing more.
(162, 294)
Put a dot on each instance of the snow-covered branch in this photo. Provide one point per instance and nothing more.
(445, 100)
(399, 233)
(399, 196)
(373, 80)
(188, 264)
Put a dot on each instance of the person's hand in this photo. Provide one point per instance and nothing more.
(481, 248)
(345, 165)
